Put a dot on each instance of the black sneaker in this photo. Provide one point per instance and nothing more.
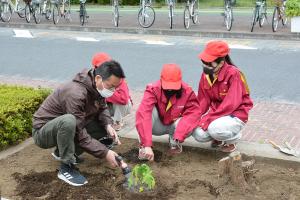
(108, 142)
(56, 156)
(69, 174)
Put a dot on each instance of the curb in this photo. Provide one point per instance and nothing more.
(174, 32)
(259, 151)
(15, 149)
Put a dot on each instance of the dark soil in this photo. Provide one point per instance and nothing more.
(31, 174)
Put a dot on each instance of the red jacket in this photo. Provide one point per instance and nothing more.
(227, 95)
(121, 95)
(186, 107)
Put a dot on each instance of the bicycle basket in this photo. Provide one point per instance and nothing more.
(278, 2)
(27, 1)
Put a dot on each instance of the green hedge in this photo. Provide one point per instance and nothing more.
(17, 105)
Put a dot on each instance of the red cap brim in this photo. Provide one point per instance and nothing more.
(171, 85)
(206, 57)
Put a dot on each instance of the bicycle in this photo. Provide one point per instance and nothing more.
(115, 12)
(228, 16)
(190, 12)
(146, 14)
(7, 8)
(259, 14)
(33, 8)
(279, 14)
(61, 8)
(82, 13)
(171, 5)
(47, 9)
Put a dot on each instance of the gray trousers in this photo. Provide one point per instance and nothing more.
(60, 132)
(118, 111)
(225, 129)
(158, 128)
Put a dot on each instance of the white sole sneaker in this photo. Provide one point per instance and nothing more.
(62, 177)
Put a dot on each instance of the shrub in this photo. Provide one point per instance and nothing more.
(292, 8)
(17, 105)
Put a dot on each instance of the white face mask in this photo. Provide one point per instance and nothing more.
(106, 92)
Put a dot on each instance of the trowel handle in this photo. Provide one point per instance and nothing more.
(274, 144)
(119, 159)
(125, 170)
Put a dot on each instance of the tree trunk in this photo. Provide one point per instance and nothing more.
(239, 172)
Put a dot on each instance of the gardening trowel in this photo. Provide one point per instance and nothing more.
(126, 170)
(287, 150)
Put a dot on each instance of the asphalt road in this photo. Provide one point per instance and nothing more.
(271, 67)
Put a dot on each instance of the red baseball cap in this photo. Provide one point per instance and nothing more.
(213, 50)
(171, 77)
(100, 58)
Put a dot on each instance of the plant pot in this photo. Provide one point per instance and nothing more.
(295, 24)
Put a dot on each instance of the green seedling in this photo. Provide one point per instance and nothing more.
(141, 178)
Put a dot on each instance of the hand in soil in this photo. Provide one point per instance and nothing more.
(111, 158)
(112, 132)
(146, 153)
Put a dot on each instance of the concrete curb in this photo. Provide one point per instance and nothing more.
(14, 149)
(260, 151)
(131, 30)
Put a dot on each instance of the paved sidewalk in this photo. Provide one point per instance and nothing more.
(277, 121)
(210, 24)
(268, 121)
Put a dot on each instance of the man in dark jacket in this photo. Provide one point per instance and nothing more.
(75, 116)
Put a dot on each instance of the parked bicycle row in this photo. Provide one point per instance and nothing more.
(56, 9)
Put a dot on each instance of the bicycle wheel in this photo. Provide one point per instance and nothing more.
(171, 10)
(146, 16)
(82, 14)
(195, 13)
(254, 18)
(48, 13)
(37, 13)
(283, 16)
(56, 13)
(262, 16)
(116, 15)
(67, 11)
(6, 12)
(21, 8)
(186, 18)
(275, 19)
(228, 18)
(27, 12)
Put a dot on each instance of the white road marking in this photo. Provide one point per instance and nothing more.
(238, 46)
(23, 33)
(157, 42)
(87, 39)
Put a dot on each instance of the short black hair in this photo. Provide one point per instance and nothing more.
(106, 69)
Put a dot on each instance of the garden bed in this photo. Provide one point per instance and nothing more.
(31, 174)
